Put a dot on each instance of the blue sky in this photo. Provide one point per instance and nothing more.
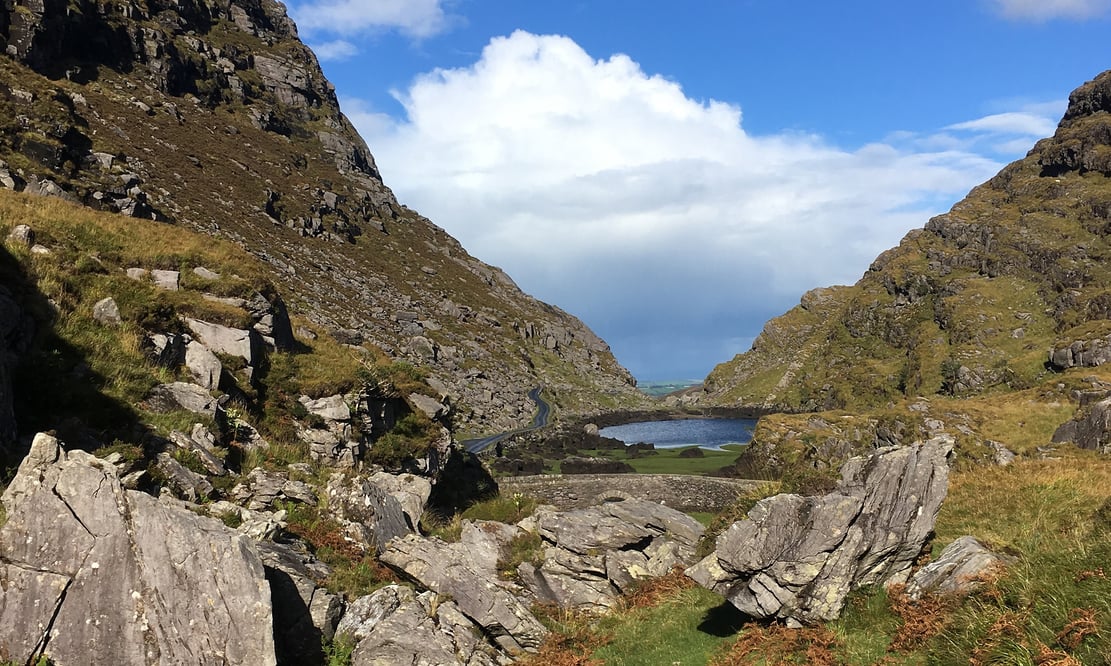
(677, 173)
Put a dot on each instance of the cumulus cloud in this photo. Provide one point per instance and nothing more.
(655, 217)
(338, 49)
(416, 18)
(1043, 10)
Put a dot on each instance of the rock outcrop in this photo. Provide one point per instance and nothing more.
(1090, 428)
(796, 558)
(96, 574)
(961, 567)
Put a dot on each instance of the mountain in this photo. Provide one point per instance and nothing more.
(211, 115)
(1010, 285)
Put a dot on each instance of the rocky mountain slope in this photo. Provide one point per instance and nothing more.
(969, 305)
(212, 115)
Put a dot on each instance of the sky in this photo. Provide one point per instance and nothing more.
(675, 174)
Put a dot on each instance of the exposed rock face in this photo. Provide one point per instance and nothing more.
(398, 626)
(140, 107)
(1019, 259)
(452, 570)
(959, 569)
(592, 555)
(1090, 428)
(372, 515)
(796, 558)
(95, 573)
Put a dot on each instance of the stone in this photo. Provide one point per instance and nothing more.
(430, 406)
(226, 340)
(203, 365)
(372, 515)
(168, 280)
(213, 464)
(184, 482)
(1090, 428)
(41, 250)
(1000, 454)
(182, 395)
(796, 558)
(166, 350)
(92, 569)
(106, 312)
(410, 491)
(206, 274)
(305, 613)
(332, 408)
(137, 273)
(961, 567)
(447, 569)
(395, 625)
(21, 234)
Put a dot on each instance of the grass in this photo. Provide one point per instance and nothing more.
(668, 461)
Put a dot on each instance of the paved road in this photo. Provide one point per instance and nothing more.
(539, 420)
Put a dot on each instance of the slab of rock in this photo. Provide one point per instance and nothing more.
(168, 280)
(305, 613)
(205, 273)
(372, 516)
(182, 395)
(432, 407)
(448, 569)
(203, 365)
(226, 340)
(796, 558)
(959, 569)
(107, 312)
(1090, 429)
(410, 491)
(398, 626)
(21, 234)
(331, 408)
(96, 574)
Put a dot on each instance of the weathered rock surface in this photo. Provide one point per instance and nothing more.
(398, 626)
(101, 575)
(796, 558)
(451, 570)
(1090, 428)
(410, 491)
(959, 569)
(305, 614)
(107, 312)
(371, 515)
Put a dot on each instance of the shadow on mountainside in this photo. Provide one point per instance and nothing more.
(51, 386)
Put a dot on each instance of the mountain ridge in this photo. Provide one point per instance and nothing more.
(214, 116)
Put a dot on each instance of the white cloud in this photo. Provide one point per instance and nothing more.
(611, 193)
(416, 18)
(338, 49)
(1023, 123)
(1043, 10)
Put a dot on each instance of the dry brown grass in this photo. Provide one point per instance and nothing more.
(1008, 626)
(572, 641)
(654, 591)
(776, 645)
(1082, 623)
(922, 619)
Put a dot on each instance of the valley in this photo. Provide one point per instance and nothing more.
(255, 410)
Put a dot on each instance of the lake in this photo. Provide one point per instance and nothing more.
(706, 433)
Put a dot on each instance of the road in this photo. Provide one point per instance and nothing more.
(539, 420)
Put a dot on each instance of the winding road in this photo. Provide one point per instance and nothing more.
(539, 420)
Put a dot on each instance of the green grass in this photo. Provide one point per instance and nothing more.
(685, 629)
(667, 461)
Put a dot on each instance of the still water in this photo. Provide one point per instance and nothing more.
(707, 433)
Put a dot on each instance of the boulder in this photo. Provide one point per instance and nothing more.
(184, 482)
(331, 408)
(1090, 429)
(398, 626)
(225, 340)
(203, 365)
(432, 407)
(449, 569)
(94, 573)
(181, 395)
(21, 234)
(410, 491)
(960, 568)
(166, 350)
(796, 558)
(168, 280)
(106, 312)
(372, 516)
(305, 613)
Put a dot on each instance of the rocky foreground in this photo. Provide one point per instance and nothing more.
(95, 573)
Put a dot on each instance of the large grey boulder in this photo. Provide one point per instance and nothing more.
(225, 340)
(370, 514)
(796, 558)
(203, 365)
(449, 569)
(1090, 428)
(96, 574)
(592, 555)
(398, 626)
(410, 491)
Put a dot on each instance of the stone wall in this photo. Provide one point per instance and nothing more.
(678, 491)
